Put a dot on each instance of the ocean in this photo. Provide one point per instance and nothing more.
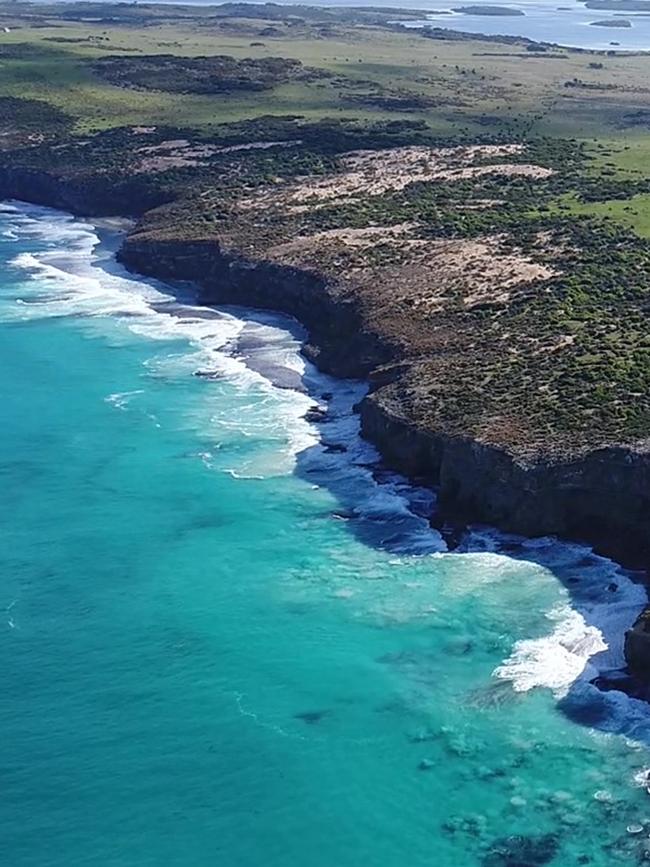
(229, 636)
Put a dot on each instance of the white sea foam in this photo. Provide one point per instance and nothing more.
(121, 399)
(588, 629)
(67, 273)
(555, 660)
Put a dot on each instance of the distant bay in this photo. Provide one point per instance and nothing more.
(539, 20)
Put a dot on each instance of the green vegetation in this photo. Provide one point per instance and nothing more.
(218, 74)
(458, 86)
(213, 114)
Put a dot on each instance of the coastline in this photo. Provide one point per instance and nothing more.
(431, 629)
(597, 498)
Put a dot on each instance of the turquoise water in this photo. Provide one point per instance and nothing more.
(224, 642)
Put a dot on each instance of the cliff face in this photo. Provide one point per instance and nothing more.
(339, 344)
(637, 647)
(602, 498)
(89, 196)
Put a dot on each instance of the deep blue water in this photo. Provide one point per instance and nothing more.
(224, 643)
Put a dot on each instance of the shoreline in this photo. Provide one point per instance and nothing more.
(598, 497)
(475, 482)
(602, 502)
(424, 633)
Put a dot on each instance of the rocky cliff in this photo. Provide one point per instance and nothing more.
(339, 344)
(86, 195)
(477, 387)
(602, 497)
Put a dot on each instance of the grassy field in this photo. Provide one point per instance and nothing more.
(460, 88)
(473, 86)
(634, 213)
(571, 126)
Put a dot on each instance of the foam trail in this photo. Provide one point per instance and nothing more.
(68, 273)
(588, 627)
(556, 660)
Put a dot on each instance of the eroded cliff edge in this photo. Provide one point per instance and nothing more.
(506, 348)
(601, 496)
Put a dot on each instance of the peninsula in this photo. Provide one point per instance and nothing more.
(463, 223)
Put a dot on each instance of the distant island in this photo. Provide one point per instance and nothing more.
(612, 22)
(619, 5)
(489, 10)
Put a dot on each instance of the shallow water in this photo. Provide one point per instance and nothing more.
(569, 24)
(563, 22)
(226, 642)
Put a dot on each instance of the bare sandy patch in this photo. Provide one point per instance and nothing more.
(426, 275)
(176, 153)
(372, 173)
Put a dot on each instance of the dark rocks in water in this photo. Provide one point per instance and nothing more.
(637, 647)
(311, 717)
(613, 680)
(452, 532)
(208, 374)
(521, 851)
(316, 414)
(621, 681)
(343, 515)
(334, 448)
(426, 765)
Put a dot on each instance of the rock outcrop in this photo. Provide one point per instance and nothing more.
(338, 342)
(601, 497)
(637, 647)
